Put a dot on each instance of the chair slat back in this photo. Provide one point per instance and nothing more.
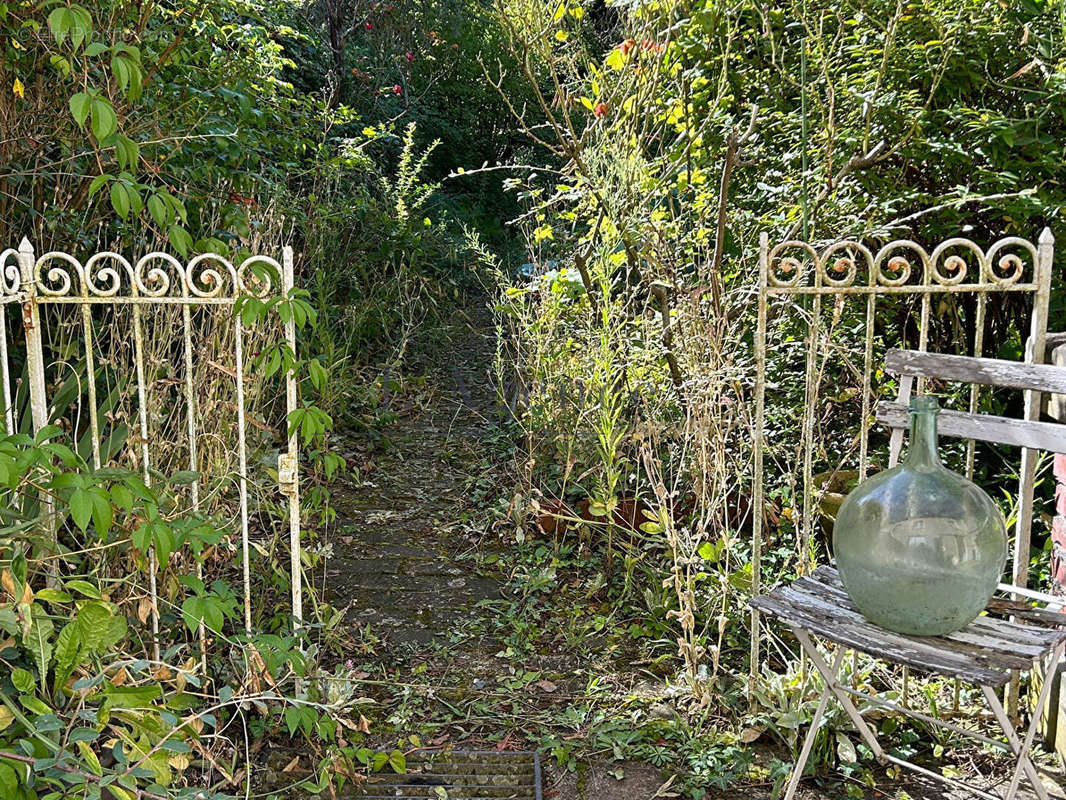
(985, 371)
(1050, 436)
(912, 364)
(1029, 434)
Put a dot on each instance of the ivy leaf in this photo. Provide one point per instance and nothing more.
(292, 719)
(121, 70)
(81, 25)
(53, 596)
(131, 696)
(104, 121)
(214, 616)
(120, 200)
(80, 105)
(122, 497)
(127, 151)
(59, 24)
(81, 508)
(83, 587)
(98, 183)
(180, 239)
(845, 748)
(103, 513)
(117, 627)
(9, 782)
(158, 209)
(163, 538)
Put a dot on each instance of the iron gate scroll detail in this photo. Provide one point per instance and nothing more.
(848, 268)
(155, 281)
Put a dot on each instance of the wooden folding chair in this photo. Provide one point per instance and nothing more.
(1021, 629)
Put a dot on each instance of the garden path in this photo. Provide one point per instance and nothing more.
(405, 565)
(395, 562)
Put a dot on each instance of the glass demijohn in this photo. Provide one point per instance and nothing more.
(920, 549)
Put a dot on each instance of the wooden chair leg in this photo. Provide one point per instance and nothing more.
(842, 697)
(812, 733)
(1024, 758)
(1023, 761)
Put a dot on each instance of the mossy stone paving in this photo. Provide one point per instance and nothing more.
(461, 775)
(396, 562)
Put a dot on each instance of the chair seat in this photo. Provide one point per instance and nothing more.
(984, 652)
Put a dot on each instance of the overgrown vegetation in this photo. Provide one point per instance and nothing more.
(603, 171)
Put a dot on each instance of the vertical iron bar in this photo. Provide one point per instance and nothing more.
(975, 389)
(31, 321)
(923, 324)
(811, 384)
(5, 373)
(867, 371)
(971, 445)
(760, 419)
(816, 722)
(295, 562)
(90, 371)
(242, 453)
(142, 399)
(194, 462)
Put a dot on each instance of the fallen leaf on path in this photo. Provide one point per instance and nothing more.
(749, 735)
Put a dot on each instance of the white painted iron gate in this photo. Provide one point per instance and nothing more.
(67, 310)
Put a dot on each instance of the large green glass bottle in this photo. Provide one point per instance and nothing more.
(920, 548)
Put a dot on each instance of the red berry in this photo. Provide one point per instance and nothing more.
(397, 89)
(600, 110)
(410, 56)
(370, 26)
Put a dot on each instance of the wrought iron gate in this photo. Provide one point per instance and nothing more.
(142, 293)
(802, 276)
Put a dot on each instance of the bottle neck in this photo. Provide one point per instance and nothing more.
(922, 451)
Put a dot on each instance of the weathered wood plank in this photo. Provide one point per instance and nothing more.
(986, 371)
(928, 650)
(984, 652)
(859, 638)
(1017, 646)
(1022, 610)
(1017, 634)
(1049, 436)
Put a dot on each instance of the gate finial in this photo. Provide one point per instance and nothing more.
(1046, 236)
(25, 246)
